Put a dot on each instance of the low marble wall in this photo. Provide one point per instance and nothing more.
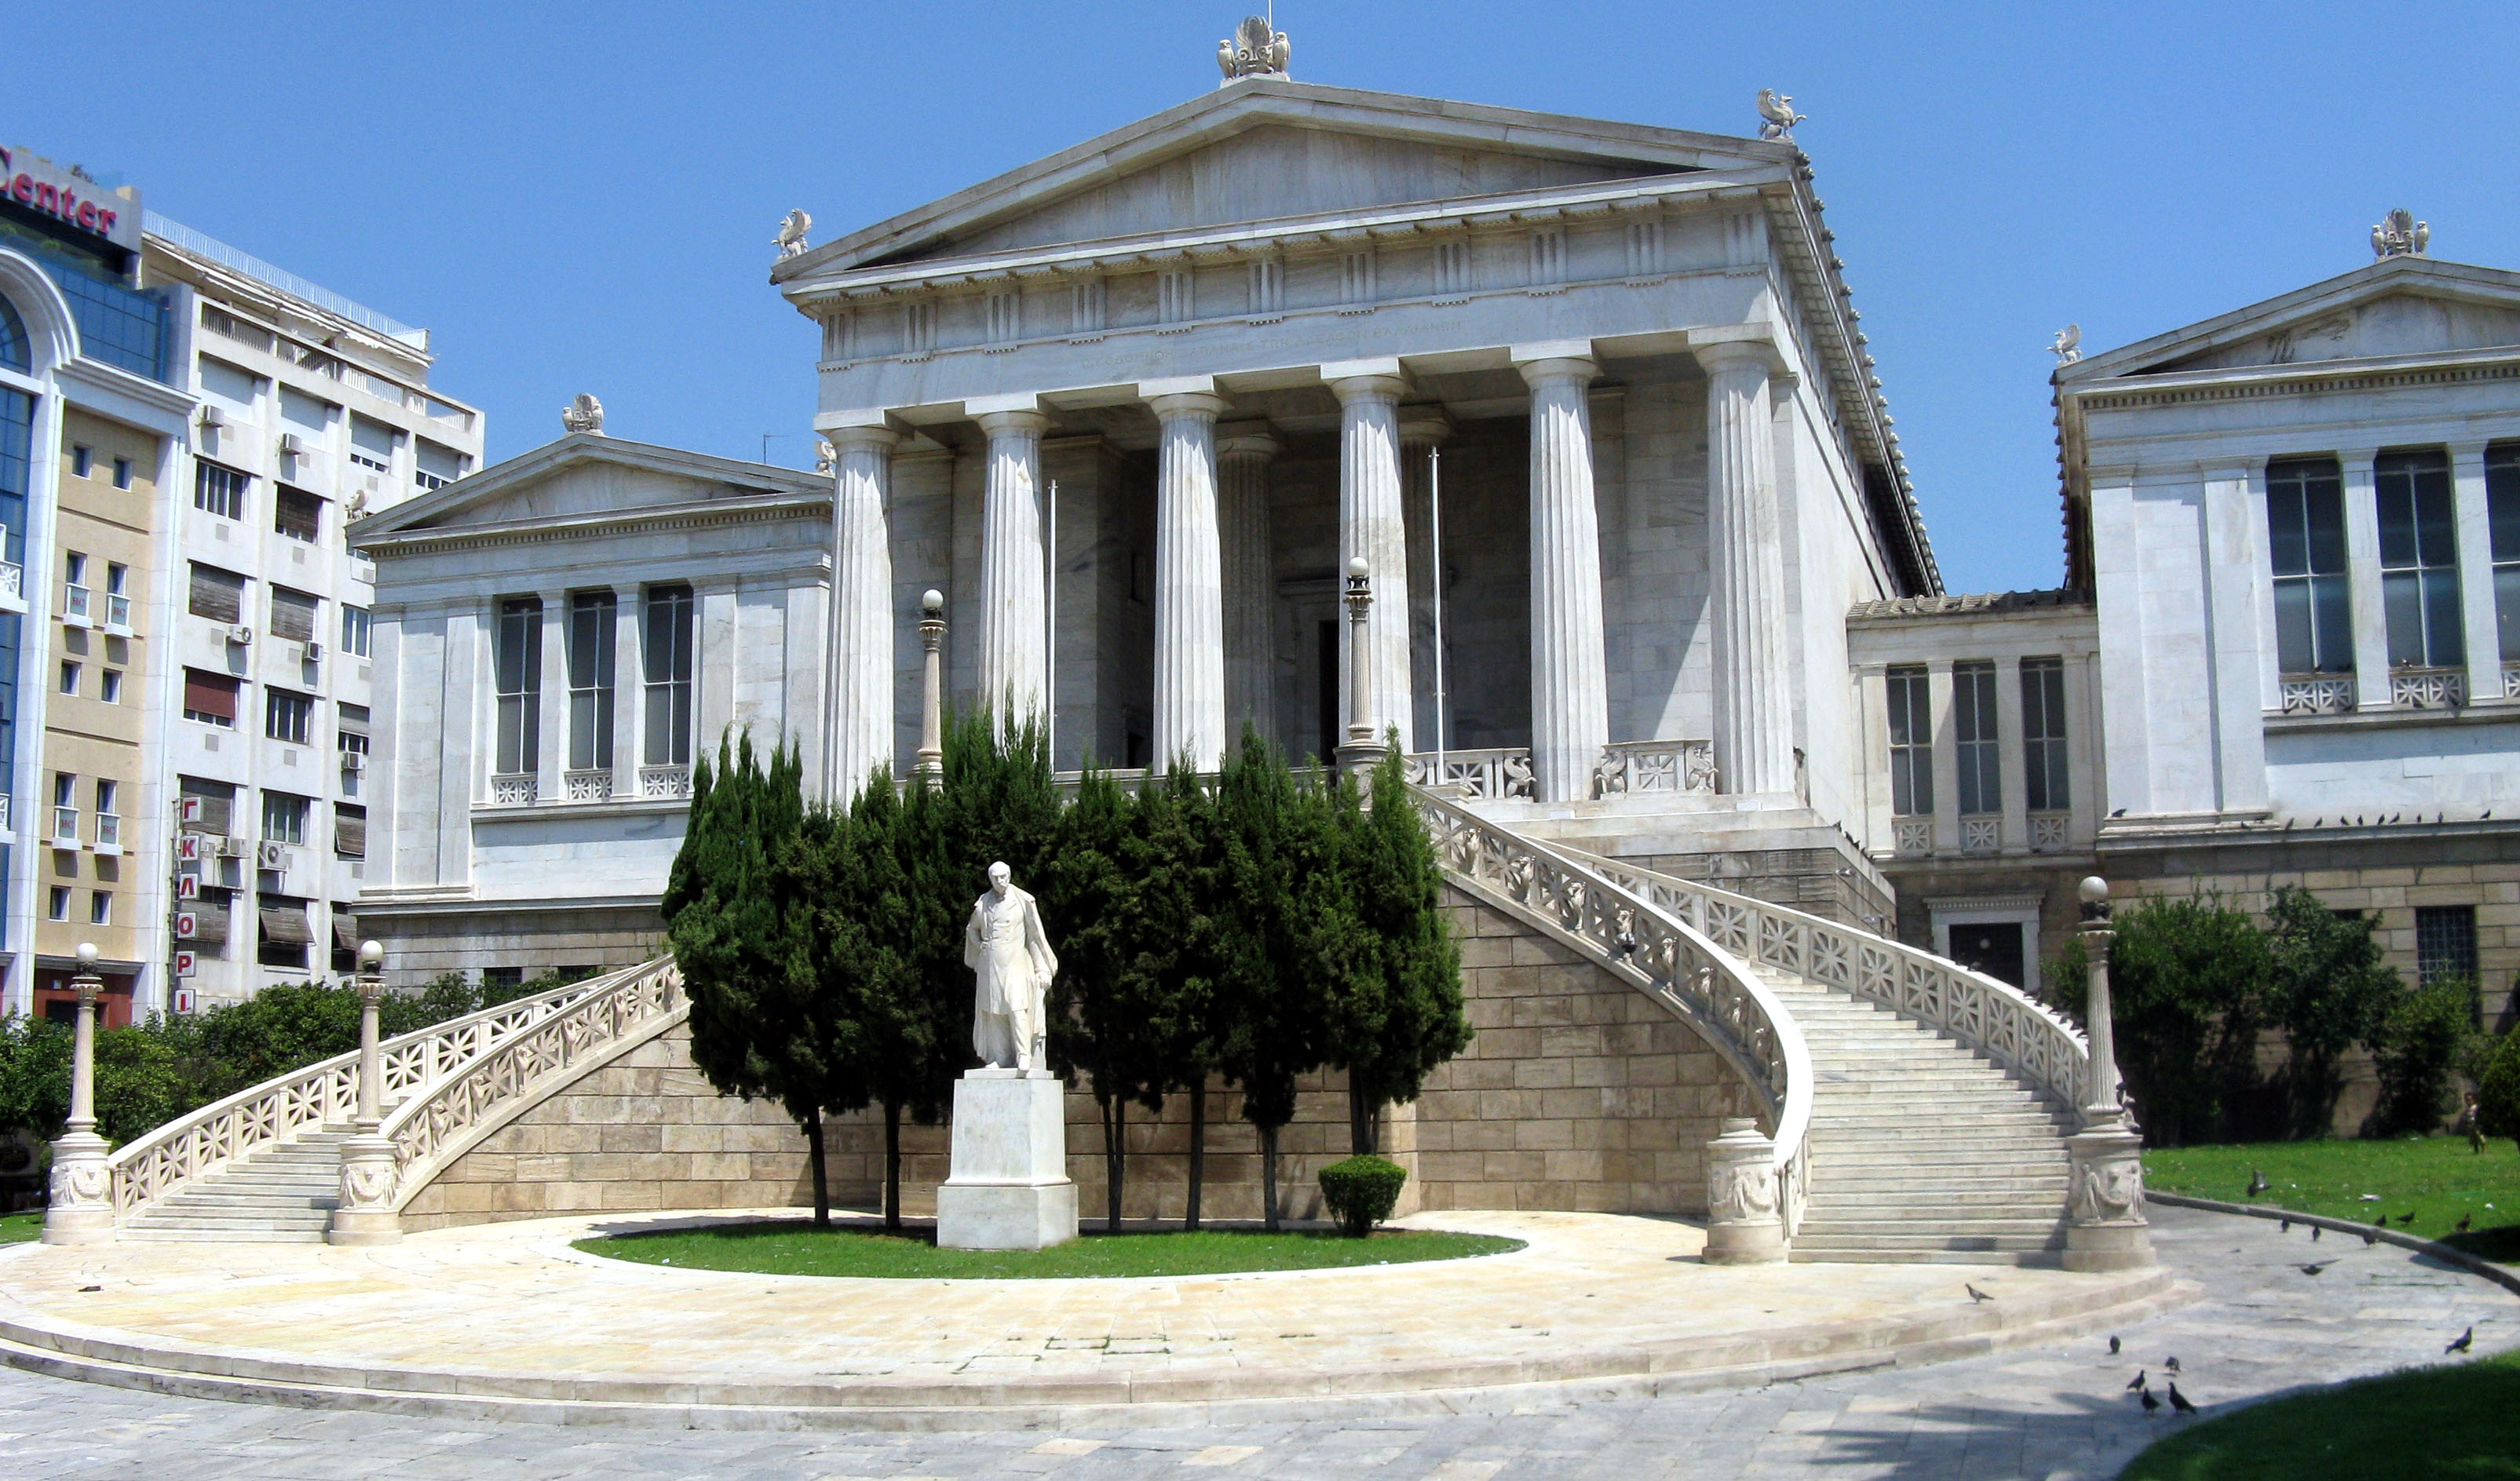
(1577, 1093)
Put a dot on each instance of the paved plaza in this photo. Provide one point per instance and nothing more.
(2053, 1410)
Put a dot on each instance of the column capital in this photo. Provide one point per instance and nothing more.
(1175, 406)
(1177, 385)
(857, 435)
(1380, 379)
(1424, 425)
(1558, 369)
(1248, 439)
(1737, 353)
(841, 424)
(1011, 422)
(2352, 458)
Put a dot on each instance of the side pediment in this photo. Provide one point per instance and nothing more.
(2400, 306)
(586, 478)
(1279, 170)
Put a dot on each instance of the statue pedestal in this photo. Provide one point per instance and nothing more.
(1009, 1188)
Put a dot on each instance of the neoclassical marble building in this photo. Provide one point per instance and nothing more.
(1588, 398)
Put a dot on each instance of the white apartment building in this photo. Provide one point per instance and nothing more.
(186, 433)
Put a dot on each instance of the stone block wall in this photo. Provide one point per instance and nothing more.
(1578, 1092)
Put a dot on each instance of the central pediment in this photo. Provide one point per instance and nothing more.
(1267, 149)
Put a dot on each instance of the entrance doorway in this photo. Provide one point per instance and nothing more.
(1994, 948)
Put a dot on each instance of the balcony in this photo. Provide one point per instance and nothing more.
(12, 587)
(664, 781)
(118, 615)
(2414, 688)
(109, 833)
(74, 604)
(2317, 693)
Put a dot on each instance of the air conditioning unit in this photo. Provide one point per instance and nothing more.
(212, 421)
(232, 848)
(241, 634)
(354, 763)
(272, 855)
(290, 446)
(314, 652)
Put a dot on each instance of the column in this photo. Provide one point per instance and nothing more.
(1422, 429)
(1754, 748)
(1947, 756)
(1570, 706)
(860, 728)
(80, 1210)
(551, 718)
(1014, 643)
(2371, 689)
(1249, 570)
(2012, 774)
(1371, 525)
(2474, 515)
(1189, 579)
(629, 689)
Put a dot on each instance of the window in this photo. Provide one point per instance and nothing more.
(349, 832)
(287, 717)
(118, 596)
(292, 613)
(1973, 718)
(2306, 529)
(519, 664)
(285, 935)
(109, 819)
(372, 444)
(219, 490)
(355, 625)
(590, 679)
(668, 655)
(13, 338)
(123, 473)
(65, 813)
(2502, 500)
(2419, 561)
(312, 413)
(211, 698)
(435, 466)
(2044, 781)
(283, 817)
(218, 595)
(110, 685)
(69, 676)
(2445, 943)
(76, 603)
(81, 460)
(57, 903)
(100, 907)
(296, 513)
(1911, 742)
(211, 804)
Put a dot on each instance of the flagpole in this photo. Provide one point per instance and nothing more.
(1049, 633)
(1435, 537)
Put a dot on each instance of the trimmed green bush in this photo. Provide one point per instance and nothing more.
(2498, 1089)
(1362, 1191)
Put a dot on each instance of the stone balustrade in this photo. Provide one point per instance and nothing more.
(2317, 693)
(1654, 766)
(1494, 775)
(2428, 688)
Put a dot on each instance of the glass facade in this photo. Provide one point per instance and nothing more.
(122, 326)
(13, 352)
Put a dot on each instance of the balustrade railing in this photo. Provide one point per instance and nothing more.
(2317, 693)
(2512, 680)
(1654, 766)
(433, 1125)
(1994, 1019)
(2428, 688)
(325, 1093)
(1642, 942)
(664, 781)
(591, 785)
(1484, 776)
(512, 789)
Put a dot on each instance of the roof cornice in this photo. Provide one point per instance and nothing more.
(414, 516)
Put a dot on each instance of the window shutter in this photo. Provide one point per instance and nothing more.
(218, 595)
(298, 514)
(210, 693)
(210, 923)
(345, 930)
(286, 925)
(350, 833)
(293, 614)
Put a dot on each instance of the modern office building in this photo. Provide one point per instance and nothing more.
(186, 433)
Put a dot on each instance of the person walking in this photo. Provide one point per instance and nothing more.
(2469, 1122)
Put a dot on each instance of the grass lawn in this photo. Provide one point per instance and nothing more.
(2440, 1423)
(2436, 1178)
(797, 1248)
(18, 1229)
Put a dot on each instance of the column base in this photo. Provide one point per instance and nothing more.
(1009, 1188)
(2104, 1225)
(366, 1214)
(1743, 1225)
(82, 1211)
(2101, 1247)
(1762, 1244)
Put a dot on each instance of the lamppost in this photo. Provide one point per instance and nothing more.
(1360, 749)
(81, 1208)
(931, 686)
(366, 1213)
(2105, 1228)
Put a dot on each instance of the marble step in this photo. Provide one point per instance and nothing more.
(193, 1236)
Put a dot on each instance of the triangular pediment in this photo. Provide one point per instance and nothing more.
(585, 477)
(2395, 307)
(1266, 150)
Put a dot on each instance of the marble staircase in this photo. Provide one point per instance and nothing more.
(282, 1193)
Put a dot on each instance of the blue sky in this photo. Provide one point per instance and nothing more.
(577, 197)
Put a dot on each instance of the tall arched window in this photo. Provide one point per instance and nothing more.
(13, 338)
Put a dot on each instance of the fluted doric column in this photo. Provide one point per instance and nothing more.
(1423, 429)
(1371, 525)
(1242, 454)
(1014, 643)
(861, 705)
(1754, 743)
(1570, 705)
(1189, 583)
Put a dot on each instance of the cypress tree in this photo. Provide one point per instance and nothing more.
(1177, 898)
(1099, 1019)
(1268, 1009)
(758, 1024)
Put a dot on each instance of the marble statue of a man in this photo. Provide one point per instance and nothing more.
(1005, 946)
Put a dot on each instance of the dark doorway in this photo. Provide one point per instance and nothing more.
(1328, 697)
(1993, 949)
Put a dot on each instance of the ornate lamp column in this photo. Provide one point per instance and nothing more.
(1242, 454)
(2105, 1228)
(1371, 526)
(1744, 1223)
(1754, 747)
(1362, 746)
(1015, 645)
(81, 1210)
(366, 1212)
(931, 685)
(1570, 702)
(861, 707)
(1189, 583)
